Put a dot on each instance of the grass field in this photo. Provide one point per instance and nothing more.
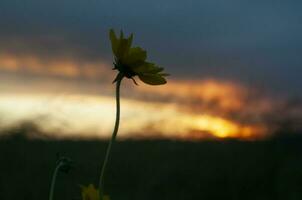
(161, 170)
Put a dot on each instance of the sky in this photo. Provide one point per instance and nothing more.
(235, 67)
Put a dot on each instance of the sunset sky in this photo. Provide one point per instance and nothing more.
(235, 66)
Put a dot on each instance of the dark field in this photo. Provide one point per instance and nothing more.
(161, 170)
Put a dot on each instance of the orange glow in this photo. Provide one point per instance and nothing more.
(222, 128)
(219, 127)
(63, 67)
(188, 109)
(226, 95)
(8, 63)
(139, 119)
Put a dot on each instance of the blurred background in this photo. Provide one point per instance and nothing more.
(227, 125)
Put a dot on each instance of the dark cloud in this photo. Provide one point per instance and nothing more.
(256, 42)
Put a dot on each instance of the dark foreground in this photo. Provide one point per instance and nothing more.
(161, 170)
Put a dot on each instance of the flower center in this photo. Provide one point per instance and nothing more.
(124, 69)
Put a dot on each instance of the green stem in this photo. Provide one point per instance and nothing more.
(53, 181)
(115, 130)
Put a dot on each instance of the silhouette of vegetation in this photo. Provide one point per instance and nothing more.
(153, 169)
(63, 164)
(129, 62)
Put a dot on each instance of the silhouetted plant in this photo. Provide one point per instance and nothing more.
(130, 62)
(63, 164)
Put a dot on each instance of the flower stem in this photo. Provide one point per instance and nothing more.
(53, 181)
(114, 134)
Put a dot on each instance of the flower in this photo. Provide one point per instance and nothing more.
(65, 164)
(131, 61)
(91, 193)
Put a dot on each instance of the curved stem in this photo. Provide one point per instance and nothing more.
(114, 134)
(53, 181)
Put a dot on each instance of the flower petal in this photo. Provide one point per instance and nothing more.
(120, 46)
(135, 55)
(114, 41)
(152, 79)
(124, 46)
(106, 197)
(147, 67)
(164, 74)
(90, 193)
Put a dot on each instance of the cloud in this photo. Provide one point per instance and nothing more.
(251, 42)
(63, 66)
(228, 59)
(229, 100)
(241, 106)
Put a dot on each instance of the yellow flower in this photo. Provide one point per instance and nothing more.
(131, 61)
(91, 193)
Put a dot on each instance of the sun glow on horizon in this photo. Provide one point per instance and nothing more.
(83, 116)
(180, 109)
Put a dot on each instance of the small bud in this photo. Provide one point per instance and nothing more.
(65, 164)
